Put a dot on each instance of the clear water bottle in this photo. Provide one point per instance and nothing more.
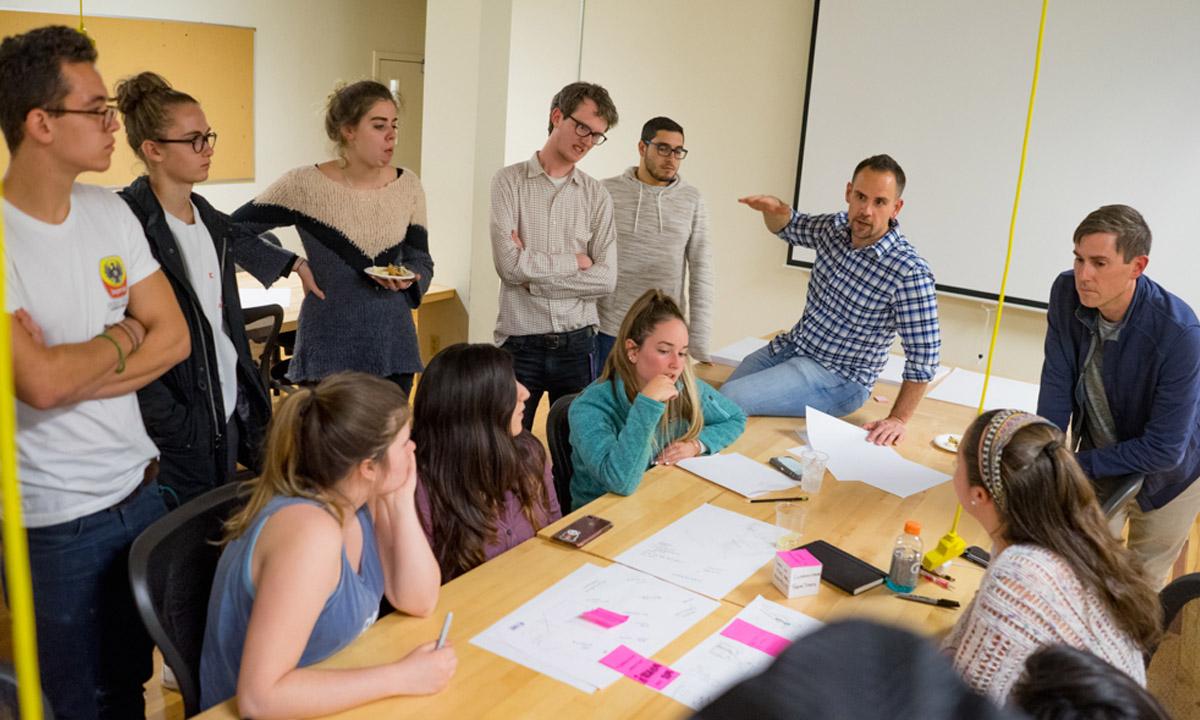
(906, 559)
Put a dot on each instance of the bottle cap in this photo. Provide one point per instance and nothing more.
(912, 527)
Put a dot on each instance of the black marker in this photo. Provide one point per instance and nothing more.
(940, 602)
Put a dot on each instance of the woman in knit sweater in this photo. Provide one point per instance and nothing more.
(646, 407)
(1057, 575)
(352, 213)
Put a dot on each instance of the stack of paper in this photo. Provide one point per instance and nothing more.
(738, 473)
(964, 387)
(851, 457)
(550, 634)
(709, 550)
(744, 647)
(734, 354)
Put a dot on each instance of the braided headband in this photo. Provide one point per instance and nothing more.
(992, 441)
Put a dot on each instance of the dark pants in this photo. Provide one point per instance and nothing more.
(557, 363)
(186, 473)
(404, 380)
(604, 346)
(93, 650)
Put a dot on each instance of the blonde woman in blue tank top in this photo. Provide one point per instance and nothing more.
(331, 528)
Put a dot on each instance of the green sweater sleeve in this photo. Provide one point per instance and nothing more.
(611, 452)
(724, 420)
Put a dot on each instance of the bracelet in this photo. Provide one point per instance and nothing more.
(120, 352)
(133, 343)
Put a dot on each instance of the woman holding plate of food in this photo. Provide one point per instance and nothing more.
(363, 226)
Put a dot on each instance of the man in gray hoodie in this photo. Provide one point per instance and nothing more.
(662, 238)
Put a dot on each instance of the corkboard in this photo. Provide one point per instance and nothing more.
(212, 63)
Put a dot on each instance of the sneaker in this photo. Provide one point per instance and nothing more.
(168, 679)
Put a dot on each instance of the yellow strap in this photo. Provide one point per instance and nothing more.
(16, 551)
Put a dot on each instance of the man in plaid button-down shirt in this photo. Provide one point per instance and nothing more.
(867, 285)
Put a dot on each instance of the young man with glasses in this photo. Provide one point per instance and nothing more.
(554, 247)
(93, 320)
(868, 284)
(662, 238)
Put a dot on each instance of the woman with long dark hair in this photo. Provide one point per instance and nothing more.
(484, 485)
(1057, 575)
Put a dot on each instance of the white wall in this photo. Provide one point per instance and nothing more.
(302, 48)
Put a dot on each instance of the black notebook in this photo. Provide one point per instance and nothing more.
(844, 571)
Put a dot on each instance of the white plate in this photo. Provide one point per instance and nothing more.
(381, 272)
(948, 442)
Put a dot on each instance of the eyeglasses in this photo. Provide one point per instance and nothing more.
(582, 130)
(197, 142)
(665, 150)
(108, 113)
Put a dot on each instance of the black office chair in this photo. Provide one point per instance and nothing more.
(9, 710)
(1173, 670)
(263, 323)
(1114, 492)
(558, 437)
(171, 567)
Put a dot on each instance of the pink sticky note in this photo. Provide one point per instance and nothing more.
(798, 558)
(604, 618)
(756, 637)
(649, 673)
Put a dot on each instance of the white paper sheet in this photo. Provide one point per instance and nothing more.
(893, 371)
(851, 457)
(964, 387)
(710, 550)
(546, 634)
(738, 473)
(718, 663)
(734, 353)
(255, 297)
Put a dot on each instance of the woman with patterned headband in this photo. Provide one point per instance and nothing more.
(1057, 574)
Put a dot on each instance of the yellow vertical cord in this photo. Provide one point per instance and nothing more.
(16, 549)
(1012, 227)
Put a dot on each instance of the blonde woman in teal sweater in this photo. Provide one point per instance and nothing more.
(646, 408)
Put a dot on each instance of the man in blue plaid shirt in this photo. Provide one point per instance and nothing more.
(867, 285)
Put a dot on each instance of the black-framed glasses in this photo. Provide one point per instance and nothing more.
(196, 141)
(108, 113)
(666, 150)
(582, 130)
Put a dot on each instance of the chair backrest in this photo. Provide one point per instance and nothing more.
(558, 437)
(1173, 673)
(171, 568)
(9, 709)
(263, 323)
(1114, 492)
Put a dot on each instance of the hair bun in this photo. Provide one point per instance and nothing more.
(132, 91)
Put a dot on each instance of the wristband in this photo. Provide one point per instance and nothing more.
(120, 352)
(133, 343)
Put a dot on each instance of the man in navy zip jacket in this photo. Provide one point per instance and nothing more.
(1122, 368)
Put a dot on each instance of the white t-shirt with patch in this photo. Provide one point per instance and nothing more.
(204, 273)
(73, 279)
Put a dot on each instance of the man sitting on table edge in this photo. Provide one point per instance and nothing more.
(868, 283)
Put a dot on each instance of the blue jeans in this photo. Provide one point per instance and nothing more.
(784, 385)
(555, 363)
(604, 346)
(94, 652)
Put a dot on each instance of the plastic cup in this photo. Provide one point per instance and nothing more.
(790, 517)
(813, 462)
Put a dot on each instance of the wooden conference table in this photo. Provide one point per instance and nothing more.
(856, 517)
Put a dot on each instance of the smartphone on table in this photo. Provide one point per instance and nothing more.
(789, 466)
(582, 531)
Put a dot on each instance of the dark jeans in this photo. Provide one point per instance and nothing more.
(93, 650)
(404, 380)
(556, 363)
(604, 346)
